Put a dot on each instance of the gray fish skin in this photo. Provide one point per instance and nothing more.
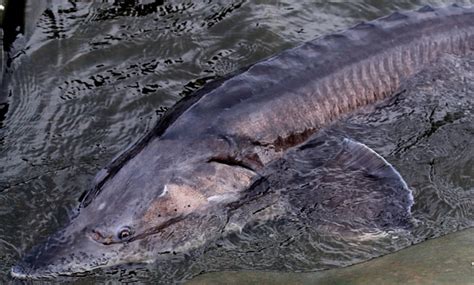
(170, 190)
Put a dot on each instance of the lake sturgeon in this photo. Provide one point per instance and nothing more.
(207, 151)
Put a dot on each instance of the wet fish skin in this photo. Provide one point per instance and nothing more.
(171, 189)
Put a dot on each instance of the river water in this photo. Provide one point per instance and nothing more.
(94, 77)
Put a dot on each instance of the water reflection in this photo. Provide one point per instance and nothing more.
(133, 8)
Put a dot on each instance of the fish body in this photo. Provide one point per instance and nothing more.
(171, 191)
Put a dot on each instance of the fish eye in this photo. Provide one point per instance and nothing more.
(125, 233)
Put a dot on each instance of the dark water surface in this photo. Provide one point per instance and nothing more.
(94, 77)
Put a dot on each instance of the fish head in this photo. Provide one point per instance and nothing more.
(152, 206)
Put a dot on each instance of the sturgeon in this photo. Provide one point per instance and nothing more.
(169, 191)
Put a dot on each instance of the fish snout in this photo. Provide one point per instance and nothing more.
(31, 268)
(66, 253)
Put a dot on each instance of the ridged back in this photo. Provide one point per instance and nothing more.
(283, 100)
(304, 88)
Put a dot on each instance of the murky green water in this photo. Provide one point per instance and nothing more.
(447, 260)
(93, 77)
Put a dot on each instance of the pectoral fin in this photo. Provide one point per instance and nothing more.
(333, 185)
(358, 156)
(342, 185)
(378, 185)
